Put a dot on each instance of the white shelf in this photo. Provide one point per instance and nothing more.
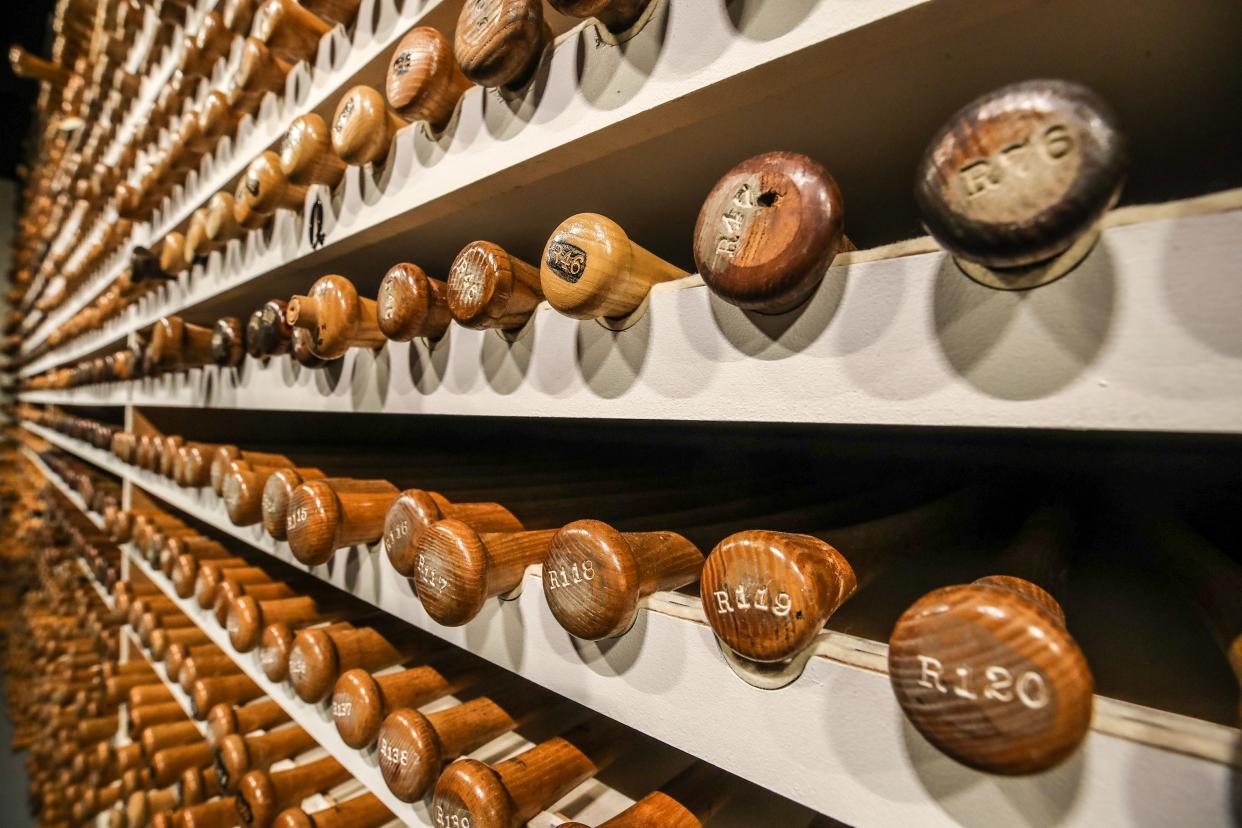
(311, 87)
(1133, 340)
(835, 740)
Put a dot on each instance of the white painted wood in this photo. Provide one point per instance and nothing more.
(835, 740)
(1143, 336)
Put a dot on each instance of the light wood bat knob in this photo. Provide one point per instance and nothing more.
(217, 117)
(291, 31)
(234, 689)
(768, 230)
(458, 569)
(244, 488)
(498, 43)
(264, 188)
(214, 39)
(221, 226)
(416, 510)
(336, 316)
(488, 288)
(306, 154)
(595, 576)
(424, 81)
(362, 811)
(260, 71)
(591, 269)
(616, 15)
(1018, 176)
(767, 595)
(228, 342)
(326, 515)
(988, 673)
(238, 15)
(411, 304)
(363, 127)
(335, 11)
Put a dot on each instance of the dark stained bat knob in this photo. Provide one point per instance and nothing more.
(1021, 176)
(228, 343)
(768, 230)
(488, 288)
(411, 304)
(988, 673)
(617, 15)
(498, 43)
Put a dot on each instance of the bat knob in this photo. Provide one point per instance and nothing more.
(1020, 177)
(988, 673)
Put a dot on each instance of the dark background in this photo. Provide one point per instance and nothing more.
(25, 23)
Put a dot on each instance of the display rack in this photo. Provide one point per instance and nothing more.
(667, 679)
(852, 355)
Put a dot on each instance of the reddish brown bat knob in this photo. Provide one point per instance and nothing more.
(617, 15)
(247, 618)
(688, 800)
(989, 675)
(263, 795)
(768, 230)
(591, 269)
(415, 510)
(362, 811)
(306, 154)
(243, 491)
(326, 515)
(277, 492)
(424, 81)
(1019, 175)
(413, 747)
(290, 30)
(595, 576)
(360, 701)
(459, 569)
(498, 43)
(510, 793)
(238, 15)
(321, 654)
(767, 595)
(226, 719)
(228, 342)
(336, 316)
(238, 754)
(488, 288)
(412, 304)
(363, 127)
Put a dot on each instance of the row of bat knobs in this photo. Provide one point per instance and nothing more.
(763, 239)
(498, 43)
(224, 770)
(767, 595)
